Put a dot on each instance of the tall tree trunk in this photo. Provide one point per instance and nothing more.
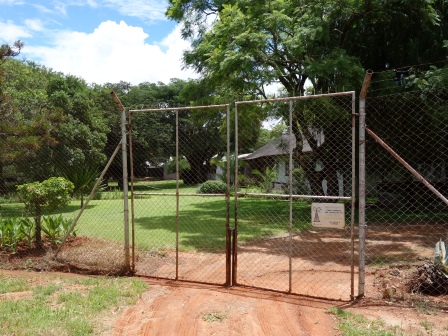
(331, 177)
(307, 161)
(37, 221)
(198, 170)
(3, 189)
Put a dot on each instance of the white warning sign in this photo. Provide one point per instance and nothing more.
(328, 215)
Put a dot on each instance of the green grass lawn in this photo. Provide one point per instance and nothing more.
(63, 306)
(202, 220)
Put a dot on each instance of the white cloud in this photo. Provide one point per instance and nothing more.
(152, 10)
(12, 2)
(43, 9)
(60, 7)
(12, 32)
(35, 24)
(92, 3)
(114, 52)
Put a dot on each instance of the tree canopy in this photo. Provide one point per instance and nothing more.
(247, 44)
(26, 117)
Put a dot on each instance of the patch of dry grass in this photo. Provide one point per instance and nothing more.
(93, 255)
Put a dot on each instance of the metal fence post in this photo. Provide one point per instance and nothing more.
(362, 182)
(290, 168)
(177, 194)
(353, 202)
(131, 167)
(124, 152)
(228, 181)
(235, 227)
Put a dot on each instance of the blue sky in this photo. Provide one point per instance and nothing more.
(98, 40)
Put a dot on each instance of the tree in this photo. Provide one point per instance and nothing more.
(112, 118)
(200, 131)
(200, 136)
(6, 51)
(27, 118)
(267, 178)
(50, 194)
(417, 115)
(251, 44)
(82, 136)
(153, 133)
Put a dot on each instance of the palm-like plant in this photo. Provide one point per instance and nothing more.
(267, 179)
(83, 179)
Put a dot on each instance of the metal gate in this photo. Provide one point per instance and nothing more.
(285, 219)
(304, 204)
(182, 233)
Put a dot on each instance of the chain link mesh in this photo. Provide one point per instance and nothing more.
(405, 219)
(96, 242)
(260, 183)
(279, 248)
(181, 224)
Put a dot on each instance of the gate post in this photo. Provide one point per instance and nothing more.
(234, 230)
(362, 182)
(125, 182)
(228, 229)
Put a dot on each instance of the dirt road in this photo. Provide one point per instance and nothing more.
(173, 308)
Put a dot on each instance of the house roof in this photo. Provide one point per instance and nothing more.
(280, 146)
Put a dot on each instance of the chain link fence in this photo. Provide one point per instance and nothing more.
(406, 187)
(258, 195)
(294, 205)
(180, 207)
(30, 211)
(233, 204)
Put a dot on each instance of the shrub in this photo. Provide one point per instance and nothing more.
(212, 187)
(55, 228)
(183, 165)
(15, 231)
(10, 234)
(244, 181)
(266, 179)
(50, 194)
(83, 179)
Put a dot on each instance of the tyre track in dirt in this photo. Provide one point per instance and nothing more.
(287, 315)
(314, 321)
(135, 318)
(167, 316)
(236, 326)
(173, 308)
(191, 315)
(148, 326)
(186, 317)
(266, 321)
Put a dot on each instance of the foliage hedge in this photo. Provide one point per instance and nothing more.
(212, 187)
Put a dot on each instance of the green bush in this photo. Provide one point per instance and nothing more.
(15, 231)
(20, 231)
(212, 187)
(55, 228)
(50, 194)
(183, 166)
(267, 178)
(244, 181)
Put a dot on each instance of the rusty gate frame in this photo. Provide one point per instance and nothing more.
(232, 232)
(177, 194)
(290, 197)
